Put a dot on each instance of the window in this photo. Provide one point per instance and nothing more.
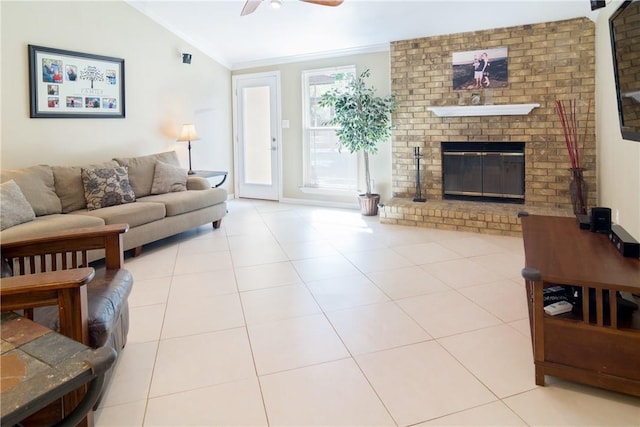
(325, 165)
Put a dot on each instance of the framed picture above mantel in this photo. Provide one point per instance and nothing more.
(67, 84)
(480, 69)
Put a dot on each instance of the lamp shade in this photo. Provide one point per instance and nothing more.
(188, 133)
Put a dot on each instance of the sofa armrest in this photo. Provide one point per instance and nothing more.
(198, 183)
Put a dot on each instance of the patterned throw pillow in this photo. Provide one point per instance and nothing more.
(106, 187)
(168, 178)
(14, 207)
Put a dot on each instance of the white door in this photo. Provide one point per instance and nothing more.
(257, 135)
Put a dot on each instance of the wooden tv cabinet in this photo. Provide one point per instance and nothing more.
(593, 344)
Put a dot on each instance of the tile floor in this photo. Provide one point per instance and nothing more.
(303, 316)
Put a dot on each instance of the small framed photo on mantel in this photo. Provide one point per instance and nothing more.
(68, 84)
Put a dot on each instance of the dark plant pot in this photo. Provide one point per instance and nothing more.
(369, 204)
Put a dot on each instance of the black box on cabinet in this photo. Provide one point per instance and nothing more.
(624, 243)
(600, 220)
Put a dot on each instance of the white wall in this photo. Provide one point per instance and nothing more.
(291, 87)
(162, 93)
(618, 159)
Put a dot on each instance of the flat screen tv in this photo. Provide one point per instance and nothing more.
(625, 42)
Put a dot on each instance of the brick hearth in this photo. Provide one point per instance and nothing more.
(477, 217)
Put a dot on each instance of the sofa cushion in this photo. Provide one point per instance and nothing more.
(105, 187)
(36, 183)
(168, 179)
(142, 168)
(187, 201)
(134, 214)
(69, 187)
(14, 208)
(49, 223)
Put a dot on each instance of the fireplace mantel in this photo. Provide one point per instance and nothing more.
(483, 110)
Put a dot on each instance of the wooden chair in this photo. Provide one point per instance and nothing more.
(53, 270)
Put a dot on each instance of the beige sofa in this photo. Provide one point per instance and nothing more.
(154, 196)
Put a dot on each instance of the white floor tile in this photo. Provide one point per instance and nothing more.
(151, 266)
(352, 240)
(191, 316)
(447, 313)
(508, 265)
(489, 415)
(460, 273)
(304, 250)
(407, 282)
(345, 292)
(324, 268)
(131, 377)
(203, 245)
(197, 361)
(203, 285)
(200, 262)
(257, 255)
(523, 326)
(499, 356)
(472, 246)
(330, 394)
(267, 305)
(421, 382)
(570, 404)
(150, 291)
(145, 323)
(266, 276)
(294, 343)
(236, 403)
(125, 415)
(377, 260)
(506, 300)
(426, 253)
(376, 327)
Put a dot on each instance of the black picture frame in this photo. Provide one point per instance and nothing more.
(68, 84)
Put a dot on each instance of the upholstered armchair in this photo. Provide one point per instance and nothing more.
(50, 278)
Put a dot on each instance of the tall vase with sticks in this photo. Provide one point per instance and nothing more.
(567, 112)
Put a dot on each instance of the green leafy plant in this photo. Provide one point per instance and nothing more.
(364, 119)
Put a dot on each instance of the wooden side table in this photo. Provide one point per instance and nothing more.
(40, 366)
(212, 174)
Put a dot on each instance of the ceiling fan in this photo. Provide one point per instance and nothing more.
(251, 5)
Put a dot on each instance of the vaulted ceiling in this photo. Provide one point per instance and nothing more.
(303, 30)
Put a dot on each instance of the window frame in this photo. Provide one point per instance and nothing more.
(308, 129)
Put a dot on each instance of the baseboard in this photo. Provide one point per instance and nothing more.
(320, 203)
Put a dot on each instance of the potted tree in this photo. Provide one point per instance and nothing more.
(364, 120)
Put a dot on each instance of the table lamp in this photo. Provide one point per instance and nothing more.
(188, 133)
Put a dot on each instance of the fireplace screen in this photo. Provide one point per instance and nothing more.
(484, 171)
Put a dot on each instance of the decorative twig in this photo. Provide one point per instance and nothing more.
(568, 116)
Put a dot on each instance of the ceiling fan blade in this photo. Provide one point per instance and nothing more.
(325, 2)
(250, 6)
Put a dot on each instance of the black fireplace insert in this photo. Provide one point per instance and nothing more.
(483, 171)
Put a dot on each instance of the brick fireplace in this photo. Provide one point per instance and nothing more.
(546, 62)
